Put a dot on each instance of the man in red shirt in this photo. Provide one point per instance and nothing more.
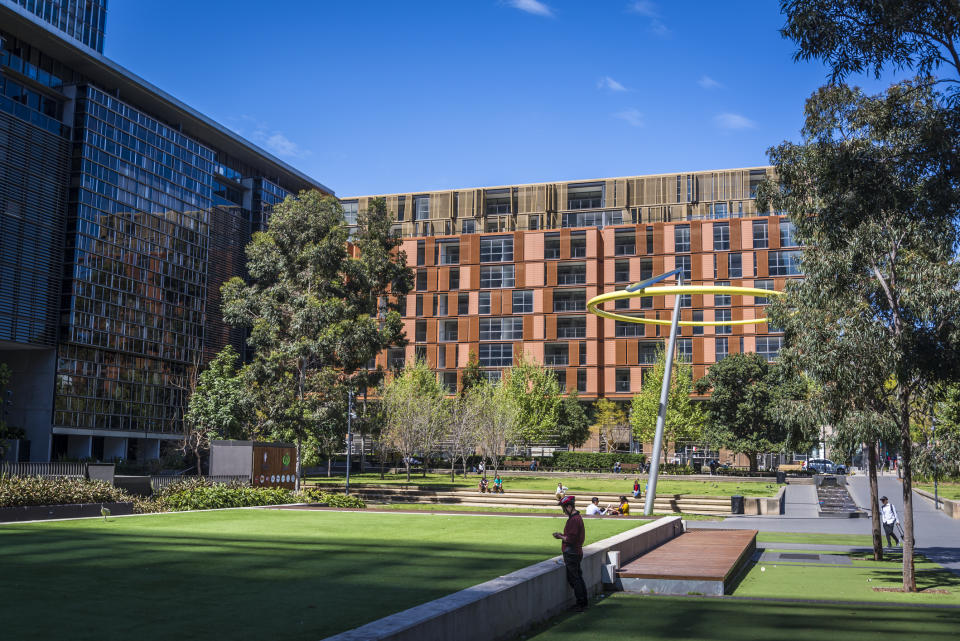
(572, 549)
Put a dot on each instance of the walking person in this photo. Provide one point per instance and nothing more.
(889, 518)
(572, 548)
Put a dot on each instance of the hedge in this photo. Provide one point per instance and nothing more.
(592, 461)
(18, 491)
(202, 494)
(334, 500)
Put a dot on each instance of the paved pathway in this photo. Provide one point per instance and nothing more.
(937, 535)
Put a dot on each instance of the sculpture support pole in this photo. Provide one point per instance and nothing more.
(662, 414)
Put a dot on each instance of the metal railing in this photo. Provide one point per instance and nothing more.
(160, 482)
(51, 469)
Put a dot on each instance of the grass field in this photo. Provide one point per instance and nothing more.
(437, 507)
(945, 490)
(863, 540)
(251, 574)
(576, 485)
(627, 618)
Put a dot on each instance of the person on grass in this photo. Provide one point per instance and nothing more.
(594, 508)
(572, 549)
(636, 489)
(482, 485)
(498, 485)
(561, 490)
(889, 518)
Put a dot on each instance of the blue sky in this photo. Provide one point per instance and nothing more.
(389, 96)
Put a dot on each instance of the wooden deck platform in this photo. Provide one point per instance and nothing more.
(703, 561)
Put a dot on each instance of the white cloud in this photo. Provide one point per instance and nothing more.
(632, 117)
(708, 83)
(270, 139)
(644, 8)
(535, 7)
(609, 83)
(733, 121)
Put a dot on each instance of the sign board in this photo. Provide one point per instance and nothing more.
(274, 465)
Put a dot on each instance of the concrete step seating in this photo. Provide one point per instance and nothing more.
(537, 499)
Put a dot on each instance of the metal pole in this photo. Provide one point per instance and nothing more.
(349, 435)
(662, 414)
(933, 437)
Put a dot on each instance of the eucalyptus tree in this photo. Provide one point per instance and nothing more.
(573, 424)
(415, 411)
(536, 397)
(497, 422)
(873, 192)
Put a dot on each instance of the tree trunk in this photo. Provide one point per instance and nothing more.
(407, 464)
(383, 462)
(296, 482)
(453, 467)
(199, 466)
(329, 465)
(363, 449)
(874, 502)
(753, 461)
(906, 447)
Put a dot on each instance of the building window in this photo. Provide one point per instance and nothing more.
(760, 238)
(551, 246)
(582, 355)
(495, 354)
(683, 264)
(561, 376)
(421, 252)
(623, 380)
(421, 280)
(450, 382)
(690, 189)
(581, 380)
(621, 271)
(448, 252)
(497, 202)
(556, 354)
(686, 300)
(448, 331)
(625, 243)
(492, 376)
(569, 300)
(769, 346)
(419, 305)
(685, 350)
(649, 240)
(784, 263)
(496, 249)
(572, 327)
(621, 303)
(483, 303)
(647, 351)
(350, 211)
(757, 176)
(572, 274)
(463, 304)
(453, 282)
(421, 207)
(585, 196)
(421, 331)
(533, 222)
(501, 329)
(401, 207)
(522, 301)
(681, 238)
(722, 300)
(719, 210)
(721, 237)
(734, 265)
(468, 226)
(698, 318)
(497, 276)
(723, 315)
(442, 301)
(762, 284)
(787, 233)
(396, 358)
(624, 329)
(721, 346)
(578, 245)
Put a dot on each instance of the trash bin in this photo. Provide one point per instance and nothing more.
(697, 467)
(781, 477)
(736, 504)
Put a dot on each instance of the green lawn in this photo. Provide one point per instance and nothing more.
(627, 618)
(251, 574)
(945, 490)
(437, 507)
(862, 540)
(576, 485)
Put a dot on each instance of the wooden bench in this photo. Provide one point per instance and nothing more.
(790, 467)
(629, 467)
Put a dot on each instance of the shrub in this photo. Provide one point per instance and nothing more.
(17, 491)
(202, 494)
(316, 495)
(592, 461)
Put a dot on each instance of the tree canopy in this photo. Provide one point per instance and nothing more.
(685, 418)
(573, 425)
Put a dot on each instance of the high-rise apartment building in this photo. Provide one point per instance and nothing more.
(505, 271)
(122, 210)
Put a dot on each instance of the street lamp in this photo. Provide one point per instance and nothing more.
(349, 435)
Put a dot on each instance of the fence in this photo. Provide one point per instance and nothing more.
(51, 469)
(160, 482)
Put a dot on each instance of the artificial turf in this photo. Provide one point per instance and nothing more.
(575, 485)
(628, 617)
(252, 574)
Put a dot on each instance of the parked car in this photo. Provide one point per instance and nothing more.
(825, 466)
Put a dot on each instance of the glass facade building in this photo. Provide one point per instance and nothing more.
(121, 219)
(84, 20)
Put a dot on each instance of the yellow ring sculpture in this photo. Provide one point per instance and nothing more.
(678, 290)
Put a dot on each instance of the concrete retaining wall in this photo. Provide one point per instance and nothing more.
(764, 505)
(950, 507)
(68, 511)
(507, 606)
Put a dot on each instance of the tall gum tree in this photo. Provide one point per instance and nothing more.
(872, 190)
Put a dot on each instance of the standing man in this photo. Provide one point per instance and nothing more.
(572, 549)
(888, 516)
